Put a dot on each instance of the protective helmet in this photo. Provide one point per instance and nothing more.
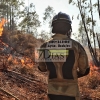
(61, 17)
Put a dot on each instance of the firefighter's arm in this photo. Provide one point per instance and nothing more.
(42, 65)
(84, 68)
(86, 73)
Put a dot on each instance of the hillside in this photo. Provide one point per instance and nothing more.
(21, 80)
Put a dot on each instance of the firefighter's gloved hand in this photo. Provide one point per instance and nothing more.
(42, 69)
(86, 73)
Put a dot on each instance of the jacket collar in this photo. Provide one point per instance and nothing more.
(59, 36)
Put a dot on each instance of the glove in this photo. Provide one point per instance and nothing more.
(86, 73)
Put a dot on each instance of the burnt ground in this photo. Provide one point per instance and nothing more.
(21, 80)
(13, 87)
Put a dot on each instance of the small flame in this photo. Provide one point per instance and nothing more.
(22, 61)
(93, 68)
(10, 58)
(15, 61)
(25, 62)
(2, 22)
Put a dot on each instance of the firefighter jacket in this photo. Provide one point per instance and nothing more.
(62, 76)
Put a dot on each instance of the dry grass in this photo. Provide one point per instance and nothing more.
(25, 44)
(90, 86)
(22, 43)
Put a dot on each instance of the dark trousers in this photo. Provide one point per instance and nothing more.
(60, 97)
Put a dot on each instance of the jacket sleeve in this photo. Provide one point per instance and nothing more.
(83, 62)
(42, 65)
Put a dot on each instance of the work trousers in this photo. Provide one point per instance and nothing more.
(60, 97)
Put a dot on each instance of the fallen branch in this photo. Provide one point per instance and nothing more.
(8, 93)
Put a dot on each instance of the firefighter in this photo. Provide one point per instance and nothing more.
(63, 76)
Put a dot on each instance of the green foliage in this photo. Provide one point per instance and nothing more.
(47, 19)
(9, 10)
(44, 35)
(70, 1)
(30, 20)
(48, 11)
(83, 1)
(48, 14)
(89, 23)
(95, 5)
(89, 20)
